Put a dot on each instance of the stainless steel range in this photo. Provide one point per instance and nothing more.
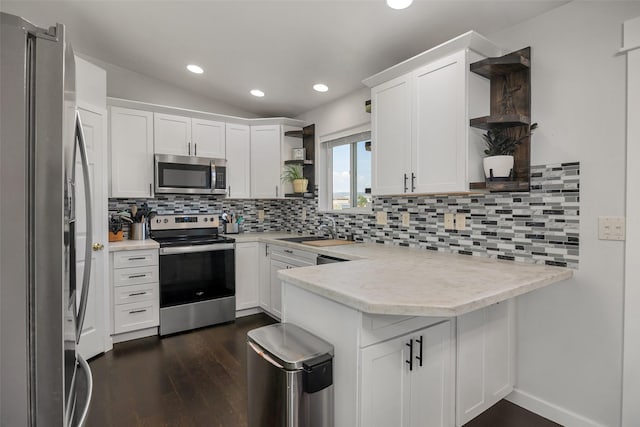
(197, 272)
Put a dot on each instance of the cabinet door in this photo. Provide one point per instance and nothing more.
(265, 162)
(238, 161)
(172, 134)
(265, 277)
(391, 136)
(486, 359)
(208, 138)
(386, 384)
(432, 384)
(276, 287)
(131, 140)
(247, 275)
(439, 136)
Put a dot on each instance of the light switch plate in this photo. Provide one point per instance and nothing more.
(461, 221)
(303, 215)
(405, 219)
(260, 215)
(611, 228)
(381, 218)
(448, 221)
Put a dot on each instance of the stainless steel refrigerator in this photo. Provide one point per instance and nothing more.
(45, 382)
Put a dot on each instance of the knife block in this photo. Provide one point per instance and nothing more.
(116, 237)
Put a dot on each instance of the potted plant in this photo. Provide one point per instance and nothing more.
(498, 164)
(294, 175)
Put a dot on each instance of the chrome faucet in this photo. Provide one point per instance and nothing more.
(331, 229)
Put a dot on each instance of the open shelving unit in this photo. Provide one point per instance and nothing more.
(510, 109)
(308, 143)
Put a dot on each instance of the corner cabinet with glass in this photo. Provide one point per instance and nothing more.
(421, 139)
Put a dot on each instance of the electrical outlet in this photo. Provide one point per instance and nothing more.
(303, 215)
(405, 219)
(611, 228)
(381, 218)
(260, 215)
(461, 221)
(448, 221)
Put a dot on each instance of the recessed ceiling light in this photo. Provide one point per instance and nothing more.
(195, 69)
(399, 4)
(319, 87)
(257, 92)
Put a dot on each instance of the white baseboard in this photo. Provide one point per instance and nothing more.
(548, 410)
(127, 336)
(248, 312)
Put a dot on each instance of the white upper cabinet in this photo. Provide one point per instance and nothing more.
(266, 164)
(391, 130)
(238, 154)
(172, 134)
(440, 126)
(131, 142)
(184, 136)
(420, 120)
(208, 138)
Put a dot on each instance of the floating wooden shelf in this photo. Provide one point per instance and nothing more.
(298, 162)
(299, 195)
(299, 133)
(493, 67)
(500, 121)
(500, 186)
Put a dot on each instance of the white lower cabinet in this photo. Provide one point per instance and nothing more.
(407, 381)
(135, 294)
(486, 359)
(247, 275)
(264, 267)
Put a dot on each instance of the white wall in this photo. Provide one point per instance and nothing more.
(128, 84)
(570, 334)
(91, 83)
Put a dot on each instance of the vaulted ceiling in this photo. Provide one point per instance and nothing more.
(280, 47)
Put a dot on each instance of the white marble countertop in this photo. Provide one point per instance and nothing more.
(133, 245)
(393, 280)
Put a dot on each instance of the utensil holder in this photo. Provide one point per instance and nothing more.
(231, 228)
(138, 231)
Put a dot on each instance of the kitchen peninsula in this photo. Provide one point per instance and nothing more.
(414, 331)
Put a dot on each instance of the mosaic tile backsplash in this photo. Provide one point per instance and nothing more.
(541, 226)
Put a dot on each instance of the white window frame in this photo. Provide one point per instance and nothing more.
(326, 145)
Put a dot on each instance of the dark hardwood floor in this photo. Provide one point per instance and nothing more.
(198, 378)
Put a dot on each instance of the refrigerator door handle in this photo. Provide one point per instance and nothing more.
(86, 275)
(87, 373)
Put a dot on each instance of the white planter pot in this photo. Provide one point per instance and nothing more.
(500, 165)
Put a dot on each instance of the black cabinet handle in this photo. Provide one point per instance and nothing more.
(137, 293)
(137, 258)
(137, 311)
(419, 358)
(410, 361)
(189, 144)
(413, 179)
(136, 276)
(195, 149)
(288, 251)
(405, 183)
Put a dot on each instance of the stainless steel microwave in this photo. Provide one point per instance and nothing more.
(190, 175)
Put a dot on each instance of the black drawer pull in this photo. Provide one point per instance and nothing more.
(137, 311)
(419, 358)
(137, 258)
(136, 276)
(137, 293)
(410, 361)
(288, 251)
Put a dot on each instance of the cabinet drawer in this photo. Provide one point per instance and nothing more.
(135, 276)
(135, 293)
(135, 316)
(380, 327)
(293, 256)
(126, 259)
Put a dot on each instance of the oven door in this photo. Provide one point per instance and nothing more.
(196, 273)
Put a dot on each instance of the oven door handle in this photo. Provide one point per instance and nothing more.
(197, 248)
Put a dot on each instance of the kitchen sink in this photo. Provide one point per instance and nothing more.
(303, 239)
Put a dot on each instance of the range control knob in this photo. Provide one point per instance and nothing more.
(158, 221)
(166, 220)
(205, 220)
(211, 219)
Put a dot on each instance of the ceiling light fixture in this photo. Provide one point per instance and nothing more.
(319, 87)
(195, 69)
(257, 92)
(399, 4)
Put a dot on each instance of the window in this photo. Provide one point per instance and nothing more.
(350, 172)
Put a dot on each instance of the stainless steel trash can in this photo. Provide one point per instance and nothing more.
(290, 378)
